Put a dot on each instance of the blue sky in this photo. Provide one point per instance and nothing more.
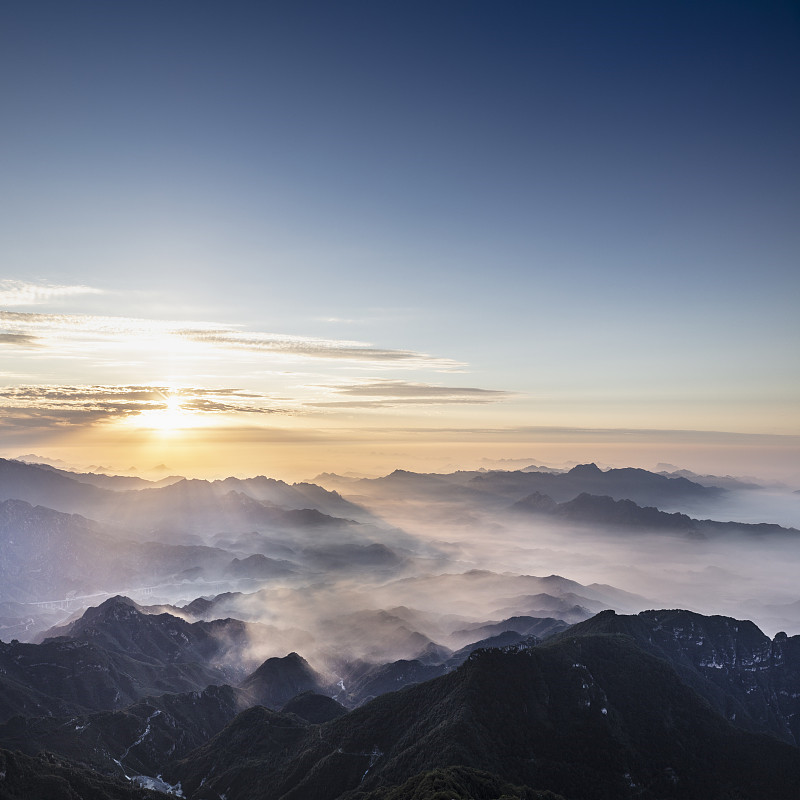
(494, 215)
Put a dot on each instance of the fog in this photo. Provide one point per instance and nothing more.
(417, 566)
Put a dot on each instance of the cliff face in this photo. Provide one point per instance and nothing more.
(751, 680)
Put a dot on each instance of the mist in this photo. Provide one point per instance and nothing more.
(408, 566)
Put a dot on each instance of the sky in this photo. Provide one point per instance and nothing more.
(290, 237)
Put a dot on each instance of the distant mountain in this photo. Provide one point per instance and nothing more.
(296, 496)
(641, 486)
(41, 485)
(179, 509)
(258, 567)
(721, 481)
(47, 554)
(491, 490)
(523, 625)
(475, 591)
(604, 510)
(115, 482)
(586, 717)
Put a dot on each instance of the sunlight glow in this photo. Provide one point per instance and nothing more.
(170, 418)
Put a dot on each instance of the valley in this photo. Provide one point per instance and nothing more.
(263, 619)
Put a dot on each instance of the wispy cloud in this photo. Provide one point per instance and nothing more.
(66, 406)
(389, 393)
(51, 329)
(23, 293)
(19, 340)
(309, 347)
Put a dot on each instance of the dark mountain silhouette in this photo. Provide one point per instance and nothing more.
(539, 627)
(115, 655)
(643, 487)
(589, 717)
(53, 778)
(258, 567)
(278, 680)
(751, 680)
(348, 555)
(139, 739)
(605, 510)
(313, 707)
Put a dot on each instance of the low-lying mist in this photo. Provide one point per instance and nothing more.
(405, 566)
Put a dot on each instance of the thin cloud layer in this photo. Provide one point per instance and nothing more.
(390, 393)
(67, 406)
(54, 330)
(22, 293)
(19, 340)
(309, 347)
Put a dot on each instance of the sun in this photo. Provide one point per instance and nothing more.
(167, 419)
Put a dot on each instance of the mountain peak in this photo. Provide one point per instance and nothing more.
(118, 607)
(585, 469)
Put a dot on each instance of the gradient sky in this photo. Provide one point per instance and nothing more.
(359, 235)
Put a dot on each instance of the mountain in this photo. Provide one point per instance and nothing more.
(721, 481)
(590, 717)
(115, 655)
(643, 487)
(605, 510)
(313, 707)
(523, 625)
(363, 682)
(296, 496)
(278, 680)
(47, 776)
(178, 509)
(103, 481)
(639, 485)
(476, 591)
(746, 677)
(45, 554)
(40, 485)
(136, 740)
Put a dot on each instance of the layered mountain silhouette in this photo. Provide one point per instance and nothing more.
(746, 677)
(383, 645)
(639, 485)
(115, 655)
(592, 716)
(657, 704)
(183, 507)
(605, 510)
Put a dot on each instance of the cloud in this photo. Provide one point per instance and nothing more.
(19, 339)
(67, 406)
(310, 347)
(22, 293)
(55, 330)
(389, 393)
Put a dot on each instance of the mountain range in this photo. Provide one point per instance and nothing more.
(657, 704)
(401, 637)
